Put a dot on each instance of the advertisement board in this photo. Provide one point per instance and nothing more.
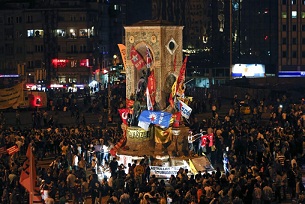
(248, 70)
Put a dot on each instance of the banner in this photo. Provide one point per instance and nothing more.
(156, 117)
(28, 177)
(136, 58)
(122, 49)
(163, 135)
(12, 150)
(207, 139)
(124, 114)
(181, 76)
(165, 172)
(185, 110)
(151, 84)
(10, 96)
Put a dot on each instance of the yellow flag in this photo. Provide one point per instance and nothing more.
(174, 88)
(163, 135)
(123, 54)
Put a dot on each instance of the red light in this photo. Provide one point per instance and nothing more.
(84, 63)
(59, 62)
(266, 37)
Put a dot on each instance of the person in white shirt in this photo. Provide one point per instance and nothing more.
(75, 161)
(190, 139)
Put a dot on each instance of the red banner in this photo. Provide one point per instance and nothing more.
(136, 58)
(124, 114)
(12, 150)
(151, 84)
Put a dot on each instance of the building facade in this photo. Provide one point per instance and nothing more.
(291, 41)
(63, 42)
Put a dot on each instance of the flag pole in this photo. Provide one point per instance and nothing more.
(31, 175)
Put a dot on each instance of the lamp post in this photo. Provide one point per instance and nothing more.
(109, 97)
(111, 73)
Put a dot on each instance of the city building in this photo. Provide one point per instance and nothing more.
(61, 41)
(219, 33)
(291, 41)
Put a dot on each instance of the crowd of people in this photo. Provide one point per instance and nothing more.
(262, 161)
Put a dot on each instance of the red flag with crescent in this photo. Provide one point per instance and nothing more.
(124, 114)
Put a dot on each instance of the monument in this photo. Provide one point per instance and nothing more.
(154, 60)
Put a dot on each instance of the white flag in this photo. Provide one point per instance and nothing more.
(185, 110)
(144, 125)
(149, 103)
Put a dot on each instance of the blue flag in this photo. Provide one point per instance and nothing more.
(155, 117)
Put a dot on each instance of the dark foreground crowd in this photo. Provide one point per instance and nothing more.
(262, 162)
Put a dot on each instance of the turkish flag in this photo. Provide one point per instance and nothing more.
(136, 59)
(203, 140)
(211, 139)
(124, 114)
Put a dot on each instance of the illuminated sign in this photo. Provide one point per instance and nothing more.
(57, 86)
(84, 63)
(248, 70)
(291, 74)
(9, 75)
(59, 62)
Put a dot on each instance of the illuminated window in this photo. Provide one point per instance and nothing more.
(116, 7)
(293, 2)
(83, 33)
(60, 33)
(91, 31)
(30, 33)
(38, 33)
(284, 14)
(303, 2)
(294, 14)
(303, 14)
(72, 33)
